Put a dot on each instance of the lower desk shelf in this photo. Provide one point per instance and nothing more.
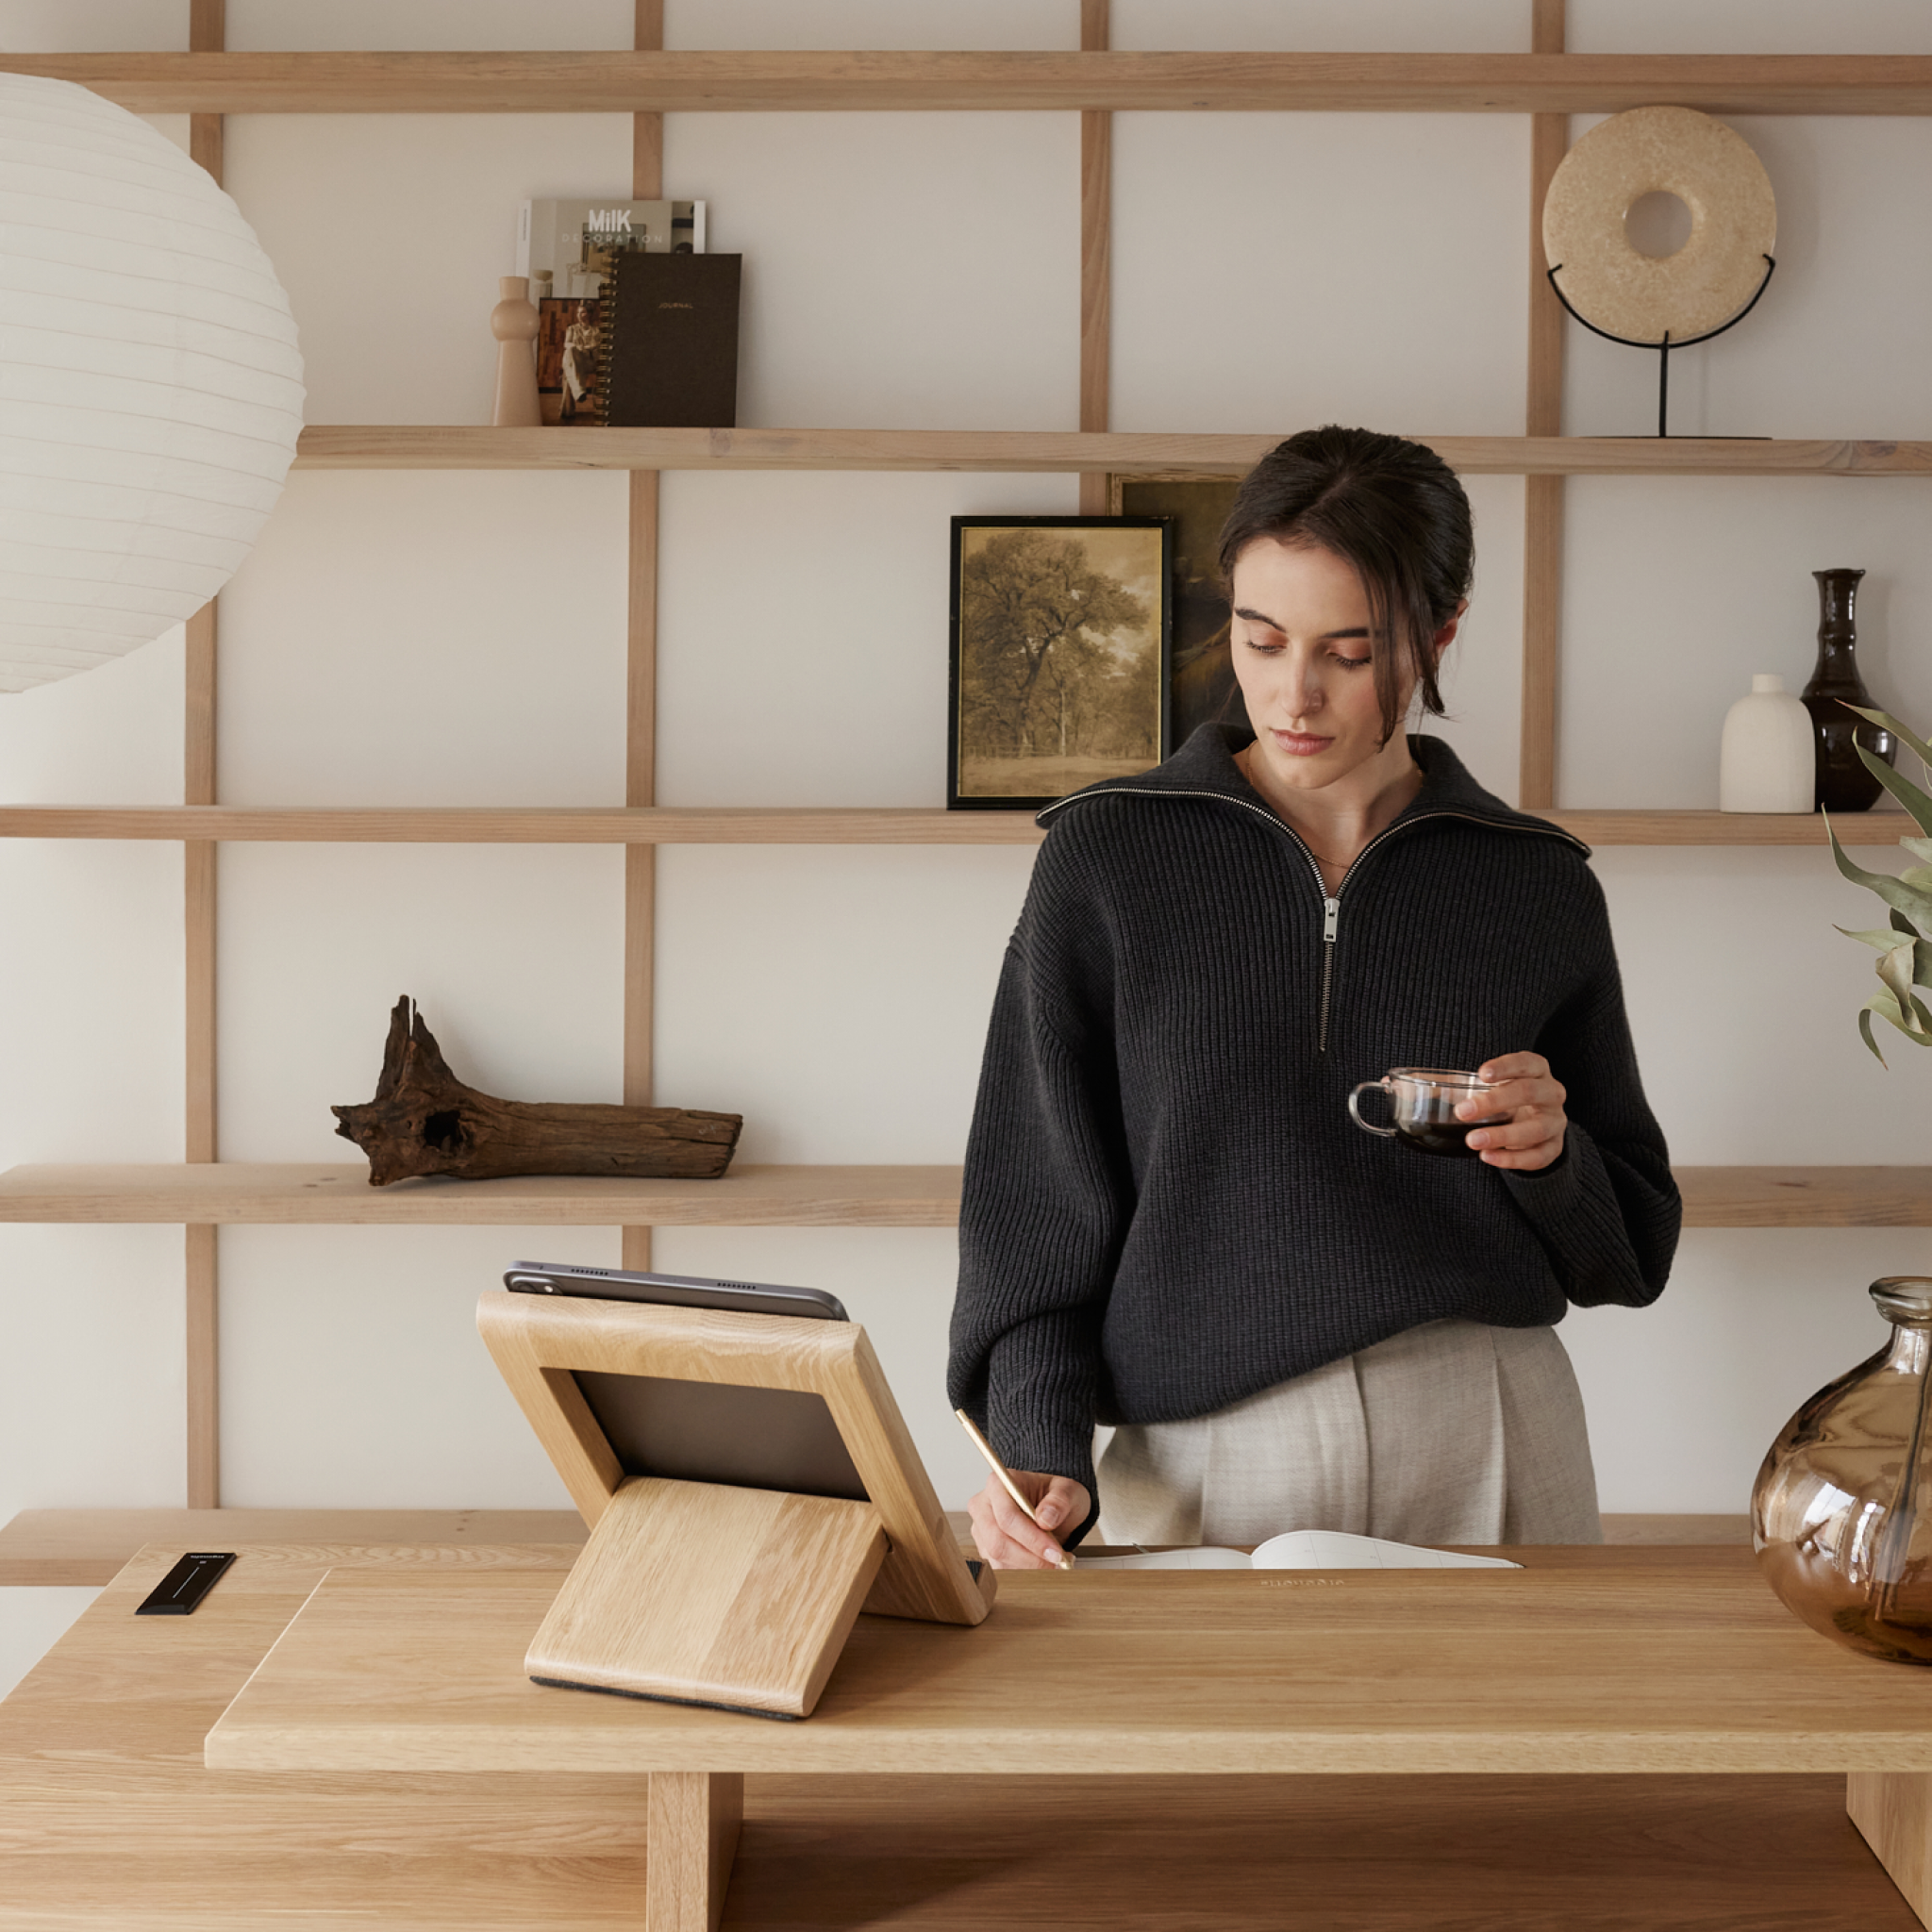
(294, 1193)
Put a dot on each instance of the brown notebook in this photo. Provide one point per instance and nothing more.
(670, 330)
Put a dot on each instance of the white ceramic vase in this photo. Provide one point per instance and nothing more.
(1767, 762)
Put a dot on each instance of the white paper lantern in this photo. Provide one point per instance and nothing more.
(150, 383)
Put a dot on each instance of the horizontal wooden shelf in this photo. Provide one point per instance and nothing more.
(285, 1194)
(295, 1194)
(1806, 1196)
(454, 447)
(525, 824)
(621, 82)
(786, 826)
(1865, 829)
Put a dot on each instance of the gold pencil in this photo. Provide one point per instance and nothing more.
(1006, 1482)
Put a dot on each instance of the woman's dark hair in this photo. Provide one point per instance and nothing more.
(1390, 507)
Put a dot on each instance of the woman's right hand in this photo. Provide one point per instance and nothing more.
(1000, 1528)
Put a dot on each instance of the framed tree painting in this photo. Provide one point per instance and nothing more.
(1059, 655)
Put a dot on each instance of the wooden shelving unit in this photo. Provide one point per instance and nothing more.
(267, 1194)
(347, 446)
(1094, 80)
(1546, 84)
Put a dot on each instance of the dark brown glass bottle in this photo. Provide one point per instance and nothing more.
(1844, 783)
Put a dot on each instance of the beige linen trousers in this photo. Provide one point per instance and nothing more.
(1450, 1433)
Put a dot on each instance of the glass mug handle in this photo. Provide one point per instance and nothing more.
(1354, 1108)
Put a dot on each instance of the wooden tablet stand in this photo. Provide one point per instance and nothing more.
(703, 1592)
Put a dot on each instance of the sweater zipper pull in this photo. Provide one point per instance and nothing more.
(1331, 917)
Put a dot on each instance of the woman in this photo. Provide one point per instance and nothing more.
(579, 363)
(1169, 1222)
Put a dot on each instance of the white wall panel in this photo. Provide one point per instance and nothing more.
(1277, 271)
(92, 1379)
(1310, 27)
(100, 26)
(1748, 27)
(440, 637)
(1677, 589)
(1743, 1001)
(901, 270)
(886, 24)
(802, 623)
(426, 25)
(515, 954)
(835, 996)
(353, 1375)
(91, 977)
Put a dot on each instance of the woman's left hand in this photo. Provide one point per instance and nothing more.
(1533, 1097)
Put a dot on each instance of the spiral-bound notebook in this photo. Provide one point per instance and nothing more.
(670, 342)
(1300, 1549)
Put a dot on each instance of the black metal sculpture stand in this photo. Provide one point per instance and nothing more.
(1664, 347)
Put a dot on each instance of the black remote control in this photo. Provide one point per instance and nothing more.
(178, 1593)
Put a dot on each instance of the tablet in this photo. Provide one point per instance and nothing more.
(717, 1432)
(678, 1290)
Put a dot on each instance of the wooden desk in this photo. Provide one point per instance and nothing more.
(1586, 1662)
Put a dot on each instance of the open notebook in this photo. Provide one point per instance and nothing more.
(1301, 1549)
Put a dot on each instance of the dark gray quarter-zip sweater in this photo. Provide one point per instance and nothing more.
(1167, 1207)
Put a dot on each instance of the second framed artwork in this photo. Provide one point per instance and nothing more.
(1060, 655)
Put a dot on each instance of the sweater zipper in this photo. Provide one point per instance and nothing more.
(1331, 902)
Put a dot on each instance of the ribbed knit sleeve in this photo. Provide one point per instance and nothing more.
(1046, 1201)
(1608, 1213)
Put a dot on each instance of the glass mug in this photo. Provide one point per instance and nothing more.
(1422, 1101)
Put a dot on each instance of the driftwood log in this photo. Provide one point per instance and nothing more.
(423, 1119)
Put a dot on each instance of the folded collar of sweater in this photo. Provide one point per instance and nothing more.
(1205, 766)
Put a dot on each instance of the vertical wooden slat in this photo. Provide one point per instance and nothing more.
(1542, 509)
(206, 34)
(641, 719)
(1096, 268)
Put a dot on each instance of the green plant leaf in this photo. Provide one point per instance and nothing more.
(1865, 1033)
(1884, 720)
(1914, 1022)
(1883, 940)
(1915, 800)
(1901, 923)
(1895, 970)
(1914, 904)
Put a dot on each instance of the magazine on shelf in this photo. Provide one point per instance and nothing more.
(567, 249)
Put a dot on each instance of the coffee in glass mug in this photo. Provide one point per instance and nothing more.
(1422, 1103)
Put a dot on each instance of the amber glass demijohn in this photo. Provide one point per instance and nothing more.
(1839, 1514)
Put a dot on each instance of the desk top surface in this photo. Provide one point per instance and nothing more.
(1584, 1660)
(113, 1825)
